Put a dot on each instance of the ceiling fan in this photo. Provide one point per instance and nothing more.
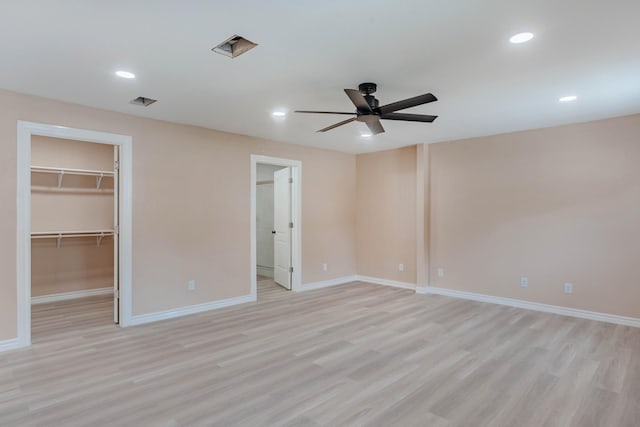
(369, 112)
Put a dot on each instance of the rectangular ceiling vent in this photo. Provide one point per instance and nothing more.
(234, 46)
(145, 102)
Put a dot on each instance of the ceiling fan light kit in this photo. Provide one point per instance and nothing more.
(369, 111)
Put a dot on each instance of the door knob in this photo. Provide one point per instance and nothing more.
(273, 231)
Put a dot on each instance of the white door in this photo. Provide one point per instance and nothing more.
(116, 232)
(282, 227)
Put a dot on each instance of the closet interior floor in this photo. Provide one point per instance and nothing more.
(268, 290)
(53, 321)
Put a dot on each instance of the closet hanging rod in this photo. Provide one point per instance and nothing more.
(70, 171)
(52, 236)
(70, 233)
(58, 235)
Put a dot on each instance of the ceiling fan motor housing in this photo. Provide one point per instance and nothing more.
(367, 88)
(372, 101)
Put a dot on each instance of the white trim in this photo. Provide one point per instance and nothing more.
(25, 131)
(296, 247)
(192, 309)
(42, 299)
(328, 283)
(11, 344)
(386, 282)
(555, 309)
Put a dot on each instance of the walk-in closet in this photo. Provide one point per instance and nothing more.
(74, 220)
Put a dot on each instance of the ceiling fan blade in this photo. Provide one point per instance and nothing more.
(409, 117)
(407, 103)
(375, 127)
(358, 100)
(337, 124)
(324, 112)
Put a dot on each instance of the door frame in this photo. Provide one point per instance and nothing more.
(25, 131)
(296, 218)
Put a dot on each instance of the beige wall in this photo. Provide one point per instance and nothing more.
(191, 206)
(555, 205)
(79, 263)
(386, 221)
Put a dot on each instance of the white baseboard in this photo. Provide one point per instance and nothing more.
(328, 283)
(386, 282)
(11, 344)
(264, 271)
(555, 309)
(71, 295)
(192, 309)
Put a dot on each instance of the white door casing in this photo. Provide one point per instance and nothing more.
(125, 187)
(116, 232)
(282, 227)
(296, 214)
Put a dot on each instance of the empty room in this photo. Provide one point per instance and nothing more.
(354, 213)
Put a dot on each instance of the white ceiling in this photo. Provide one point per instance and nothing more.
(309, 51)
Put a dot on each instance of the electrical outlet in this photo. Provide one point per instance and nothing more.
(400, 267)
(524, 282)
(440, 272)
(324, 267)
(568, 288)
(191, 285)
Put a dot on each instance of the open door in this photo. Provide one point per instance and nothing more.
(116, 235)
(282, 226)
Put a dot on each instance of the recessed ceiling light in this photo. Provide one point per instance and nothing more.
(125, 74)
(279, 114)
(365, 135)
(568, 98)
(521, 38)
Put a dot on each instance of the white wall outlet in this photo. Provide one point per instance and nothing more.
(191, 285)
(568, 288)
(400, 267)
(524, 282)
(325, 267)
(440, 272)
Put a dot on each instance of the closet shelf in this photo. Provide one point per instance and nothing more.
(59, 235)
(69, 171)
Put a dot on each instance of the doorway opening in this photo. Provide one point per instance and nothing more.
(275, 226)
(74, 230)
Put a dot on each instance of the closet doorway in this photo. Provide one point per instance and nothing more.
(276, 231)
(74, 222)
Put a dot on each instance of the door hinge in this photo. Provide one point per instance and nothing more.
(117, 293)
(116, 165)
(290, 225)
(290, 180)
(290, 269)
(116, 229)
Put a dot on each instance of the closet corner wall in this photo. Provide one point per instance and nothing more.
(72, 217)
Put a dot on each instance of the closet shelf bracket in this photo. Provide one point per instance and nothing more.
(99, 239)
(60, 176)
(59, 240)
(99, 180)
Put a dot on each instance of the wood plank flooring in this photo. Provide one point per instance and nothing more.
(352, 355)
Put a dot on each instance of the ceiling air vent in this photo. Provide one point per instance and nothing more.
(145, 102)
(234, 46)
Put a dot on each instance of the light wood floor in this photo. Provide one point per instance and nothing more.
(352, 355)
(269, 290)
